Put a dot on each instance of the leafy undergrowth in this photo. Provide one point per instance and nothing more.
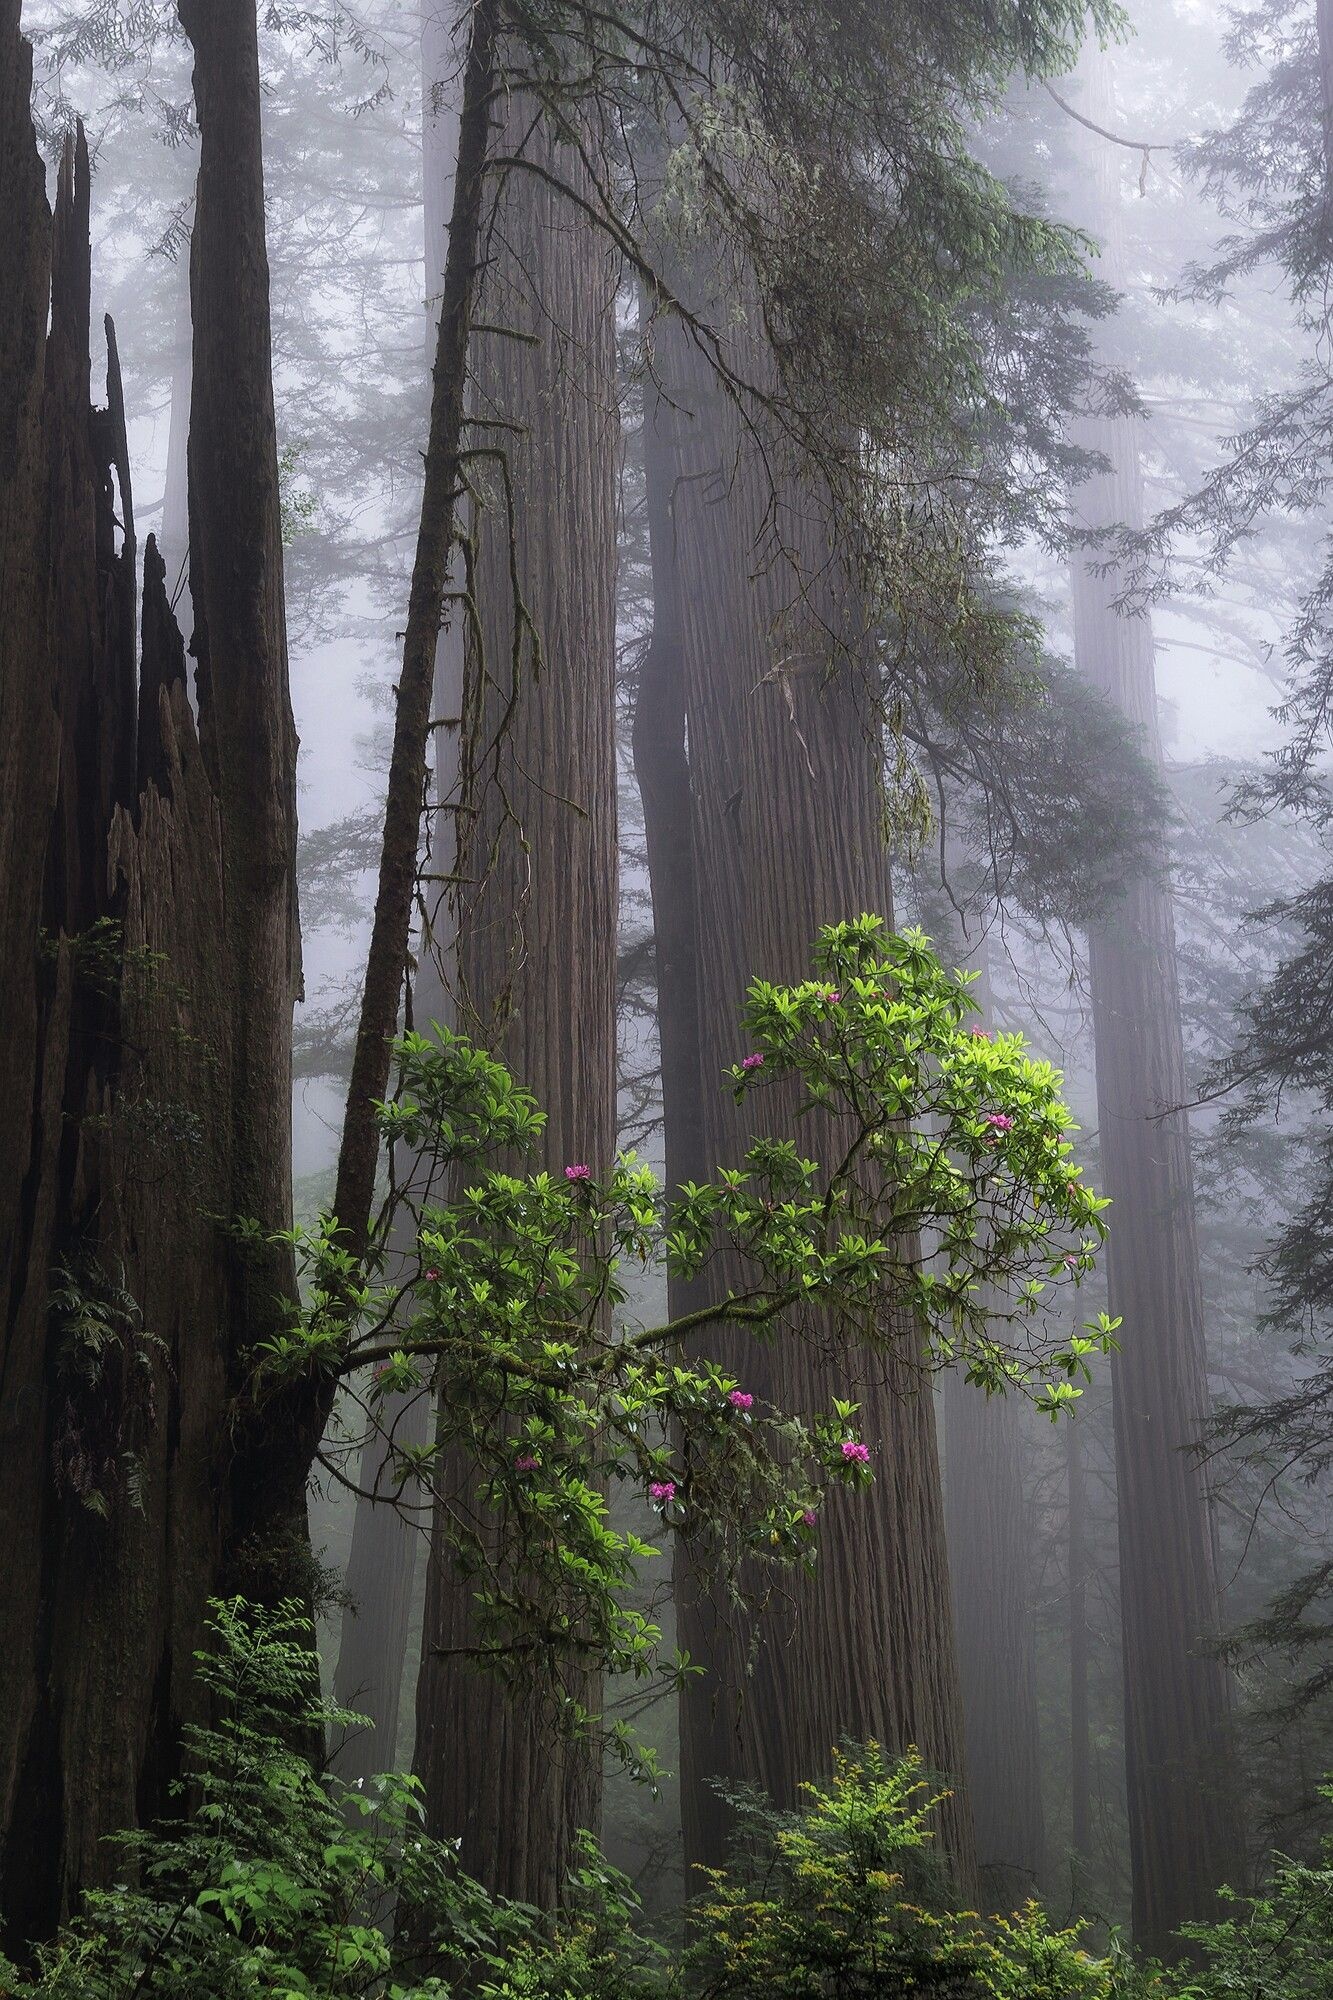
(277, 1881)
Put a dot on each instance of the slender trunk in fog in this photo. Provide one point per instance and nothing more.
(662, 770)
(145, 1093)
(1324, 31)
(381, 1572)
(787, 834)
(537, 908)
(382, 1564)
(174, 541)
(1183, 1824)
(989, 1545)
(1080, 1741)
(989, 1559)
(1183, 1829)
(386, 961)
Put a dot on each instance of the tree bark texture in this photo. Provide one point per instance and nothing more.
(1183, 1823)
(990, 1539)
(122, 1143)
(785, 761)
(988, 1556)
(537, 907)
(245, 723)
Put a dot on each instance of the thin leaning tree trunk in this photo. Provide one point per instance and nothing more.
(386, 961)
(382, 1568)
(298, 1418)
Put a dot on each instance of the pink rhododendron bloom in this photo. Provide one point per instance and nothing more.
(431, 1276)
(752, 1062)
(832, 996)
(999, 1121)
(740, 1399)
(981, 1034)
(526, 1462)
(578, 1173)
(663, 1490)
(809, 1517)
(855, 1453)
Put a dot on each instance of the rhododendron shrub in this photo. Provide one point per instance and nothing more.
(954, 1206)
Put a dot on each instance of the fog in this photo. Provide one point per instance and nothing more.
(804, 464)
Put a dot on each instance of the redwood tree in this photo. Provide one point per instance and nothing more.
(1184, 1832)
(150, 940)
(990, 1541)
(536, 908)
(1184, 1839)
(787, 832)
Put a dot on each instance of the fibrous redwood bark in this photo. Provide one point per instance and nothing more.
(536, 913)
(245, 714)
(129, 1136)
(785, 763)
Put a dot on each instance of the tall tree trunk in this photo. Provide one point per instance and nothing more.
(662, 771)
(1183, 1829)
(246, 730)
(989, 1545)
(989, 1558)
(785, 764)
(129, 1126)
(1183, 1824)
(537, 915)
(382, 1565)
(1080, 1737)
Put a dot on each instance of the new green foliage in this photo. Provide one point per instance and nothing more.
(949, 1137)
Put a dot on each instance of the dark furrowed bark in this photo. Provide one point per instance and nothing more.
(249, 739)
(537, 908)
(112, 1172)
